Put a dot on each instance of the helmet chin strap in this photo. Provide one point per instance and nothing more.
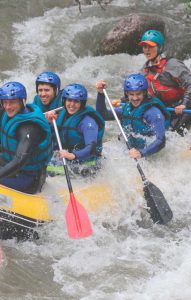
(159, 52)
(154, 58)
(24, 102)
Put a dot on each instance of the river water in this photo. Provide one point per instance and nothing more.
(123, 260)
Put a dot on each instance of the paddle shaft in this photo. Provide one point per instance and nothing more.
(124, 135)
(58, 109)
(187, 111)
(64, 160)
(72, 198)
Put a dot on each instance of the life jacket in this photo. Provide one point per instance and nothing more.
(170, 93)
(70, 135)
(134, 123)
(42, 153)
(55, 103)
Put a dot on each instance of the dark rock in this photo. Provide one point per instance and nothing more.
(125, 36)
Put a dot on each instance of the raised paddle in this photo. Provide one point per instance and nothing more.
(77, 220)
(186, 111)
(159, 209)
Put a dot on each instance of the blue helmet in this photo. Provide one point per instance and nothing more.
(49, 78)
(75, 91)
(153, 38)
(135, 82)
(13, 90)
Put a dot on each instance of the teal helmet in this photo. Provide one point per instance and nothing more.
(153, 38)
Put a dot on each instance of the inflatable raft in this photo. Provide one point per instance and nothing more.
(22, 214)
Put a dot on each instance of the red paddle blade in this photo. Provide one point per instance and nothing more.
(77, 220)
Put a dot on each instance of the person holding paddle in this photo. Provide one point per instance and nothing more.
(168, 79)
(81, 129)
(142, 117)
(25, 141)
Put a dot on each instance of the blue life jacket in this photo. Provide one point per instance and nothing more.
(55, 103)
(70, 135)
(134, 123)
(42, 152)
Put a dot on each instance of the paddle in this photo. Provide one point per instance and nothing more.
(187, 111)
(77, 220)
(159, 209)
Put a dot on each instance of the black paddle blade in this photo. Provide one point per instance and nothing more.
(159, 209)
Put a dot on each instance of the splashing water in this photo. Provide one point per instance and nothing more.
(127, 257)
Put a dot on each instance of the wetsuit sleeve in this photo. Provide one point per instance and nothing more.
(89, 129)
(104, 112)
(28, 135)
(156, 120)
(179, 71)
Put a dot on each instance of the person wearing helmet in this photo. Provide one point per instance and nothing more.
(81, 130)
(168, 78)
(48, 91)
(141, 116)
(25, 141)
(49, 95)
